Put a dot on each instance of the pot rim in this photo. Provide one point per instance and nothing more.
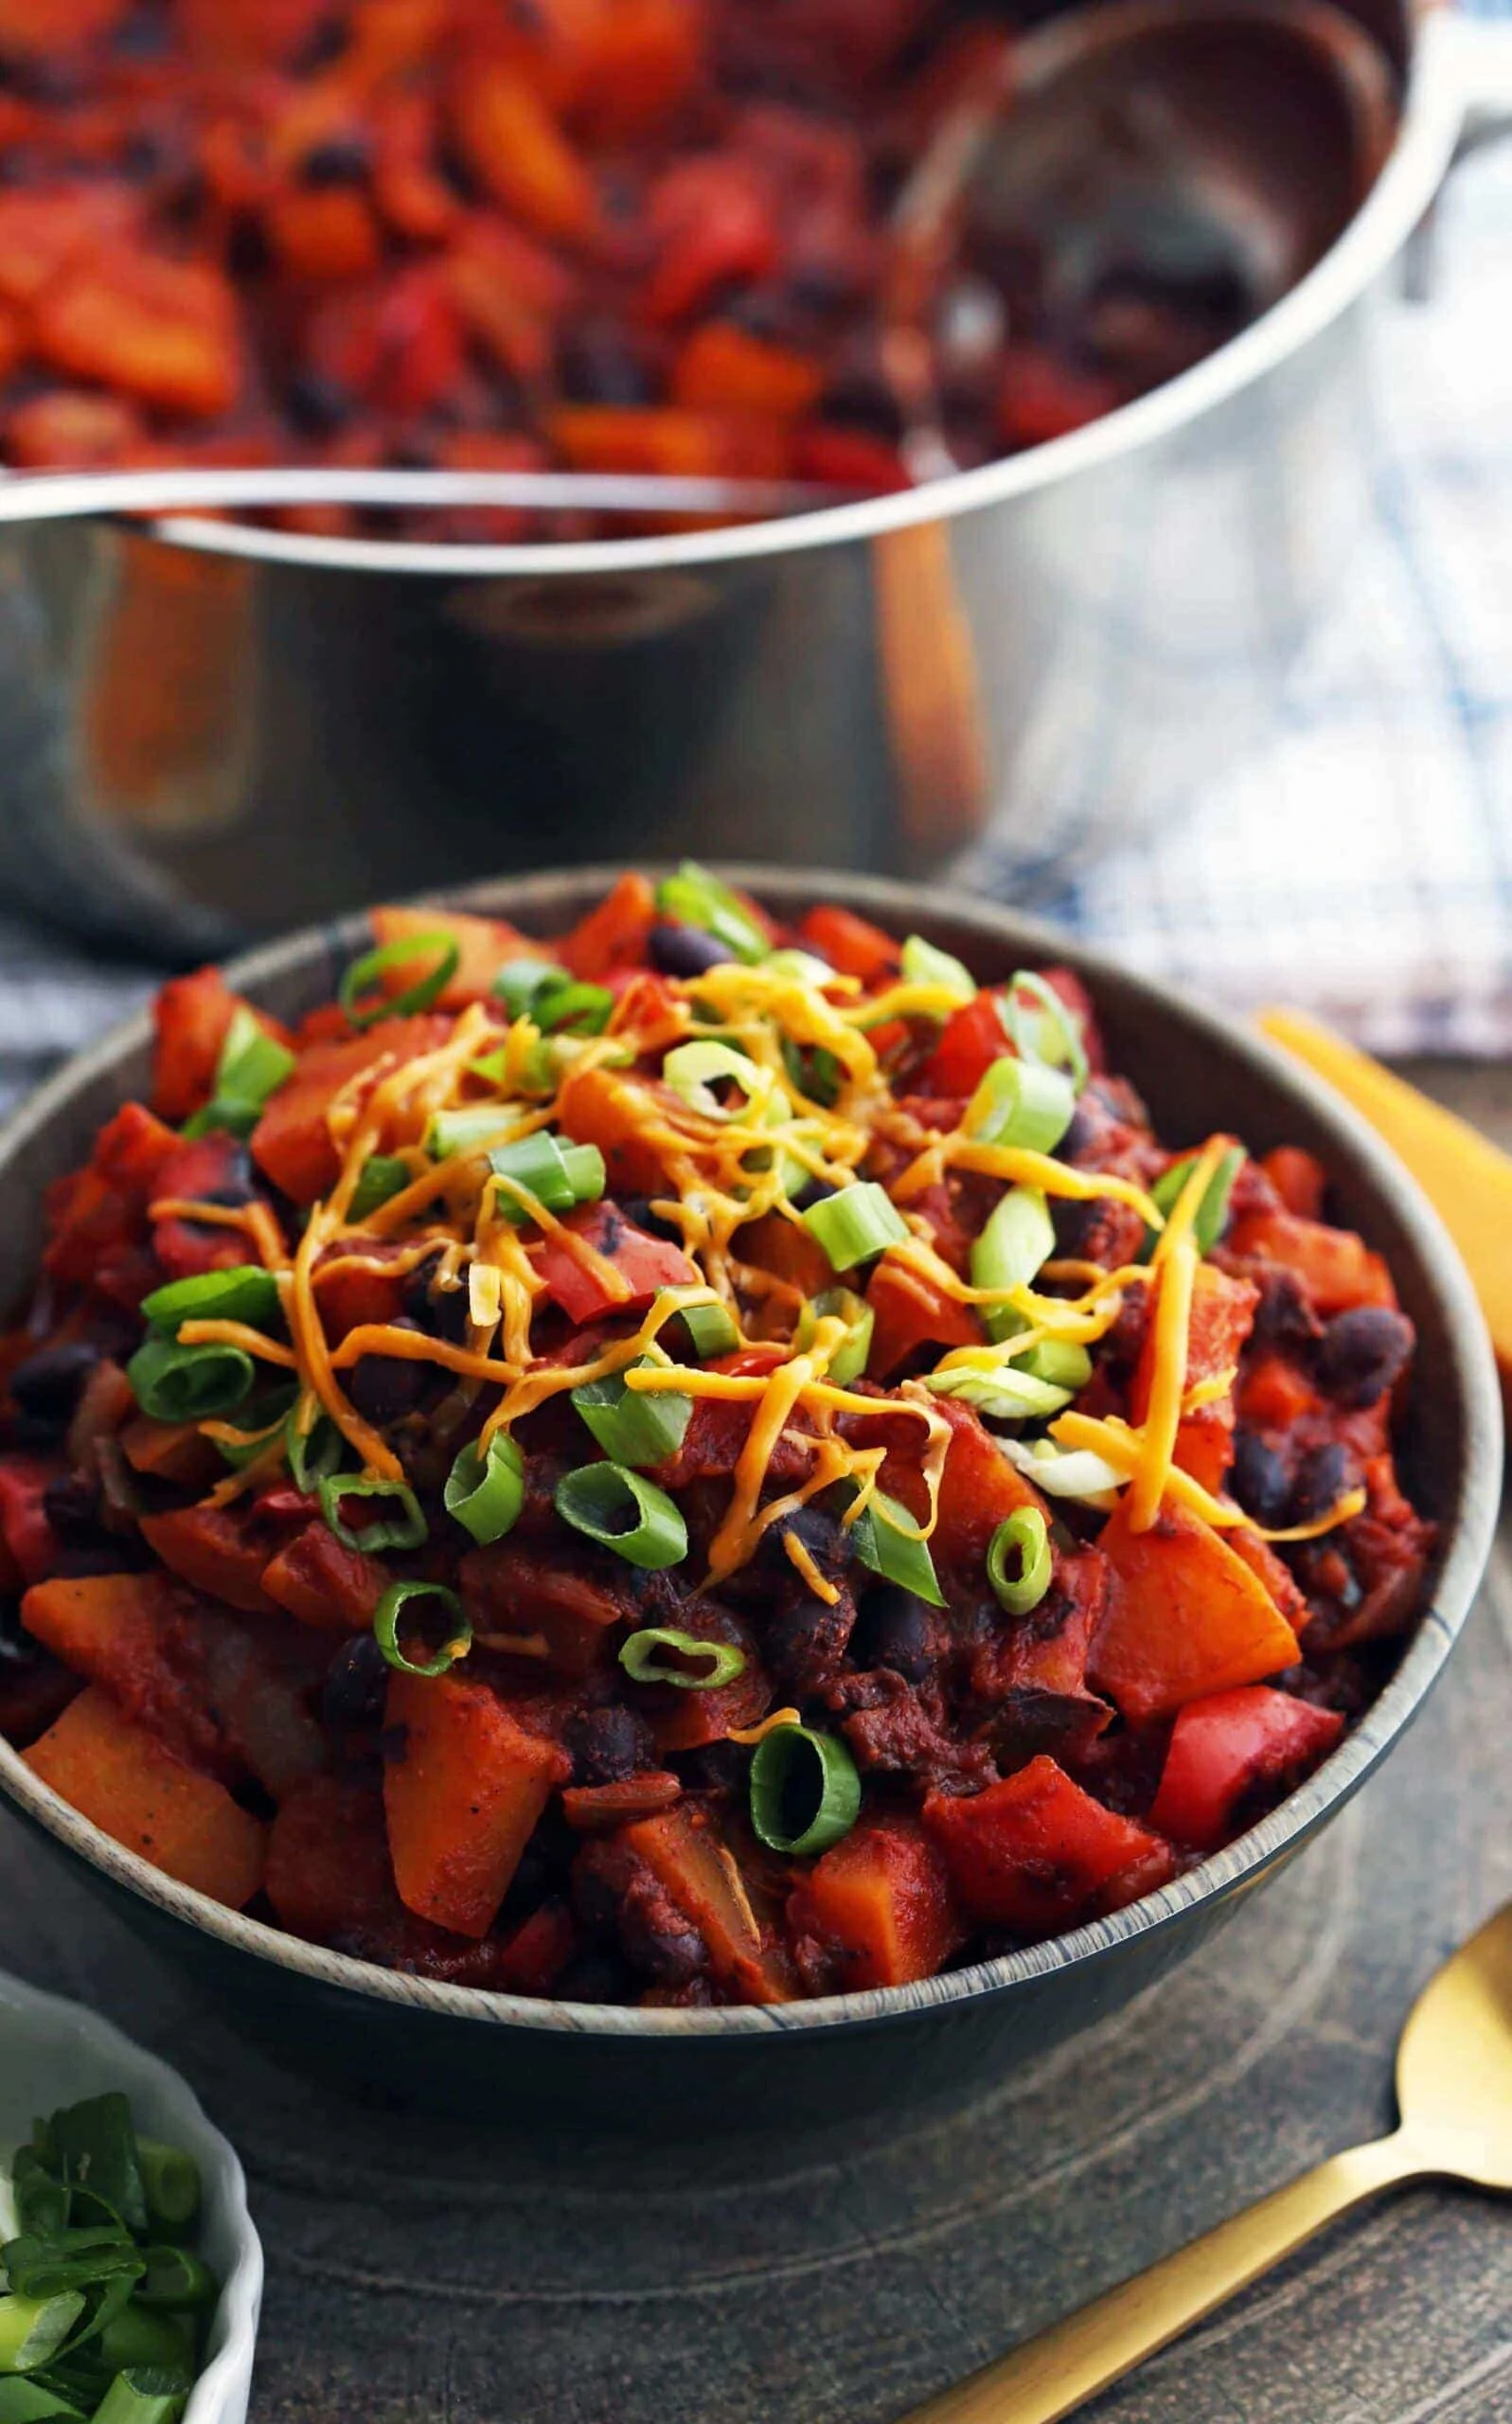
(1470, 1523)
(1434, 109)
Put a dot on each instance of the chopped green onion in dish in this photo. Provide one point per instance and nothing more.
(518, 981)
(857, 1225)
(663, 1654)
(381, 1177)
(406, 1528)
(314, 1454)
(693, 897)
(470, 1129)
(1019, 1561)
(190, 1383)
(357, 986)
(848, 1361)
(1212, 1213)
(800, 965)
(625, 1512)
(693, 1070)
(1004, 1392)
(573, 1009)
(102, 2318)
(1066, 1472)
(486, 1493)
(1019, 1240)
(883, 1537)
(253, 1065)
(1022, 1104)
(559, 1175)
(924, 965)
(1049, 1031)
(391, 1607)
(247, 1294)
(712, 1330)
(1063, 1367)
(634, 1427)
(804, 1790)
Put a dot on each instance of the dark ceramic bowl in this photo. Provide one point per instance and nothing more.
(564, 2063)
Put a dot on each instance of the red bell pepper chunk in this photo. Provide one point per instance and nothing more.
(1033, 1852)
(30, 1543)
(1225, 1747)
(975, 1036)
(645, 1263)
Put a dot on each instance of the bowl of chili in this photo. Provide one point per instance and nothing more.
(359, 235)
(544, 1649)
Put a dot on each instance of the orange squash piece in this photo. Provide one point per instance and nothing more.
(462, 1800)
(1186, 1616)
(133, 1788)
(323, 1583)
(210, 1550)
(519, 156)
(1335, 1267)
(684, 1854)
(483, 946)
(883, 1899)
(292, 1143)
(614, 934)
(594, 1108)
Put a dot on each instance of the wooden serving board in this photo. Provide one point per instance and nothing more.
(425, 2273)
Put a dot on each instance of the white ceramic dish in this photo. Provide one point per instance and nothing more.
(54, 2053)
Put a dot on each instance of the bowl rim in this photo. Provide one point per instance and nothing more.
(1433, 116)
(1469, 1525)
(225, 2379)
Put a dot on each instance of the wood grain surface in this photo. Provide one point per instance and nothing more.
(429, 2274)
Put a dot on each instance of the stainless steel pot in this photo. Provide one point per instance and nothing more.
(212, 730)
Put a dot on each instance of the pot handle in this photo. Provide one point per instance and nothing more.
(1480, 40)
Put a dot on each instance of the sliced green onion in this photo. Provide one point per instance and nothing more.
(382, 1176)
(1064, 1367)
(559, 1175)
(841, 1304)
(815, 1073)
(92, 2146)
(146, 2395)
(27, 2402)
(856, 1225)
(175, 2280)
(42, 2201)
(1212, 1213)
(485, 1494)
(138, 2336)
(804, 1790)
(33, 2330)
(1019, 1560)
(170, 2183)
(385, 1628)
(316, 1454)
(76, 2259)
(1024, 1104)
(1065, 1473)
(713, 1330)
(882, 1538)
(405, 1529)
(247, 1294)
(469, 1129)
(924, 965)
(265, 1421)
(364, 974)
(1017, 1239)
(624, 1512)
(644, 1658)
(632, 1427)
(518, 981)
(1051, 1032)
(573, 1009)
(801, 965)
(252, 1066)
(1007, 1393)
(188, 1384)
(695, 898)
(692, 1069)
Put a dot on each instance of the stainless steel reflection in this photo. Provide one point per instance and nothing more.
(212, 730)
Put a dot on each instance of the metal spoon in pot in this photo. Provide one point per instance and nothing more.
(1164, 171)
(1454, 2093)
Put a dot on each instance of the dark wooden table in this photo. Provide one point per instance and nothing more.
(428, 2273)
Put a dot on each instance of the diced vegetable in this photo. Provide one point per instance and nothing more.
(881, 1903)
(1229, 1746)
(1187, 1618)
(463, 1799)
(121, 1775)
(1033, 1852)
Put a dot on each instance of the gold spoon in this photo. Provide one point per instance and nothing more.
(1454, 2095)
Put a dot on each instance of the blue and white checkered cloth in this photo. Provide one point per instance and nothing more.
(1358, 864)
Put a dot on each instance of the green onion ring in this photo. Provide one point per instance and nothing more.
(485, 1494)
(385, 1628)
(363, 974)
(625, 1512)
(793, 1758)
(1022, 1539)
(638, 1657)
(404, 1532)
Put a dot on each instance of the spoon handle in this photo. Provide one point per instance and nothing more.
(1054, 2372)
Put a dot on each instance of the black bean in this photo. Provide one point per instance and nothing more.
(597, 1974)
(803, 1642)
(356, 1683)
(823, 1536)
(317, 404)
(817, 1191)
(440, 1312)
(600, 365)
(637, 1210)
(46, 1386)
(342, 160)
(1258, 1479)
(1320, 1483)
(607, 1745)
(715, 1767)
(384, 1388)
(236, 1186)
(686, 950)
(74, 1507)
(1283, 1317)
(1363, 1354)
(894, 1629)
(17, 1646)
